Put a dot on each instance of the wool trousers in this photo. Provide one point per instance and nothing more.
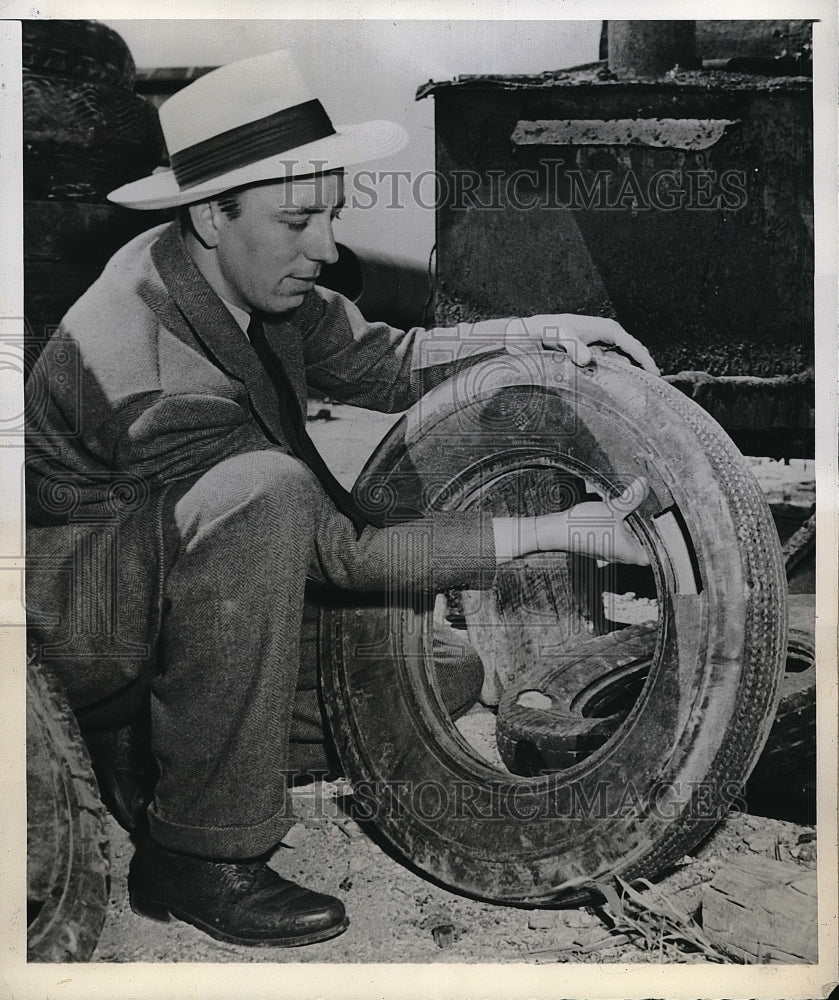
(234, 703)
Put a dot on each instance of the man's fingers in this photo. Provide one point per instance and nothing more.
(575, 334)
(560, 336)
(628, 501)
(610, 332)
(644, 358)
(631, 498)
(581, 354)
(633, 349)
(575, 347)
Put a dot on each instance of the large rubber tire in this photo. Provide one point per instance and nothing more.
(595, 685)
(582, 698)
(68, 850)
(791, 747)
(783, 783)
(82, 140)
(83, 50)
(674, 767)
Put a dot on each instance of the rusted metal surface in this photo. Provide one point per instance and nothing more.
(760, 46)
(770, 415)
(765, 39)
(704, 254)
(593, 75)
(650, 48)
(764, 416)
(662, 133)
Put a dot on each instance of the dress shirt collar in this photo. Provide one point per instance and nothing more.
(242, 318)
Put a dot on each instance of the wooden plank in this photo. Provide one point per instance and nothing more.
(761, 910)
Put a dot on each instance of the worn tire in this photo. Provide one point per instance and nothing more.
(82, 140)
(591, 689)
(791, 747)
(594, 685)
(704, 713)
(68, 852)
(783, 782)
(82, 50)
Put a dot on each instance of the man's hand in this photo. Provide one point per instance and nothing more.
(574, 334)
(598, 528)
(595, 529)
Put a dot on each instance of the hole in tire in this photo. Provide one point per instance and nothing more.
(533, 699)
(798, 664)
(542, 606)
(800, 656)
(616, 699)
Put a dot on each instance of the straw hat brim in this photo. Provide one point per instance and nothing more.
(351, 144)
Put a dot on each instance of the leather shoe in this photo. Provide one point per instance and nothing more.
(125, 770)
(235, 901)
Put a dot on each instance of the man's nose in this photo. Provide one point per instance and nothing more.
(322, 246)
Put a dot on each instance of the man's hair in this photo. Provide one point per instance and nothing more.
(229, 203)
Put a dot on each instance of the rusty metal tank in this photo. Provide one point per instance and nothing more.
(679, 202)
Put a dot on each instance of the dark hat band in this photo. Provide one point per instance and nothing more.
(253, 141)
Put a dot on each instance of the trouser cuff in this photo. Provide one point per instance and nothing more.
(227, 843)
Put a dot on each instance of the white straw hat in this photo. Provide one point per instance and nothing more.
(252, 120)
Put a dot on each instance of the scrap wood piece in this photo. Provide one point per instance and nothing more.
(760, 910)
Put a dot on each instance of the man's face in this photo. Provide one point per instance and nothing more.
(271, 254)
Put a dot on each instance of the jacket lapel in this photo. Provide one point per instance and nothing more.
(220, 335)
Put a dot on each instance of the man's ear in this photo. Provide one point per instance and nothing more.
(205, 218)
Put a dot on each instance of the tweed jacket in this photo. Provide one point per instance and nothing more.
(148, 383)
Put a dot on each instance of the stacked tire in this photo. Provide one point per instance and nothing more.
(85, 132)
(68, 857)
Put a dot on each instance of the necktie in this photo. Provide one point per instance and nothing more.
(294, 426)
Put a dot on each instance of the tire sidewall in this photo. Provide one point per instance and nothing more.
(71, 918)
(674, 766)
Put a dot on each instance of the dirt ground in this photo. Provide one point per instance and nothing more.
(395, 914)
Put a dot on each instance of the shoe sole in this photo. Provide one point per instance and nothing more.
(161, 914)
